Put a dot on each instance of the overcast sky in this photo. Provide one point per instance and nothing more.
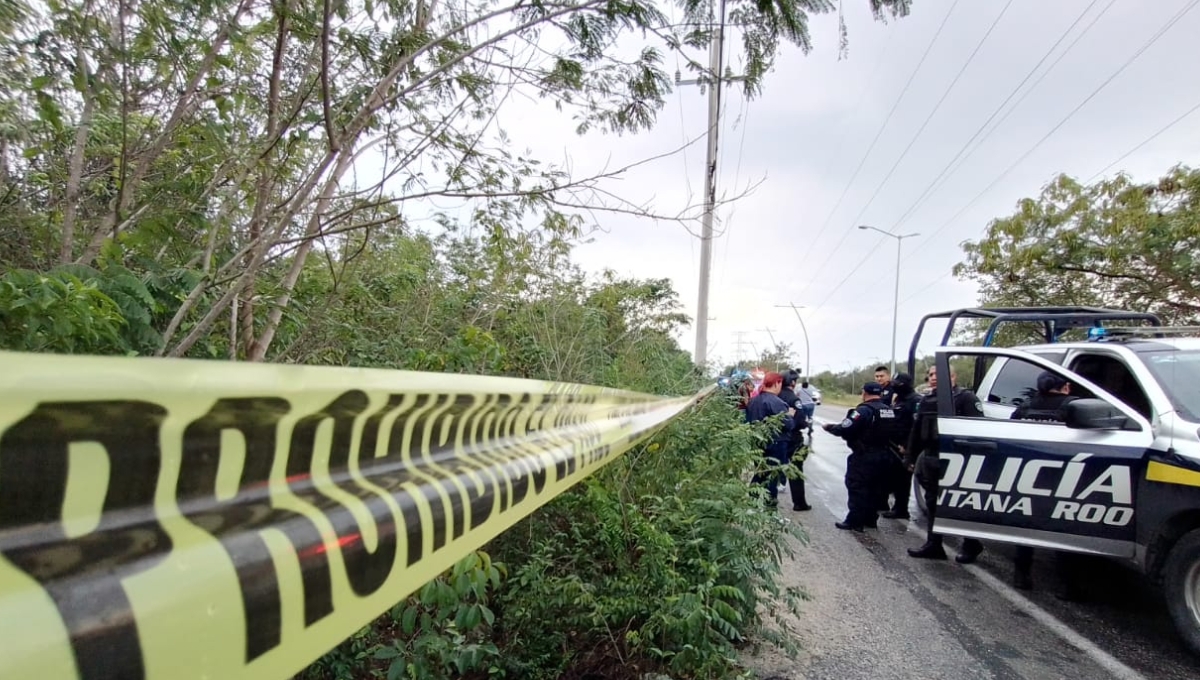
(801, 141)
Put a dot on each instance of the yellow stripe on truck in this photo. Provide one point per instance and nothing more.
(1171, 474)
(194, 519)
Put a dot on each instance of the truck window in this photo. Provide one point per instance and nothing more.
(1015, 384)
(1115, 377)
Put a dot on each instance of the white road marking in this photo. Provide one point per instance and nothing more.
(1102, 658)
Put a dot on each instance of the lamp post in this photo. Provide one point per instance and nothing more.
(807, 347)
(896, 297)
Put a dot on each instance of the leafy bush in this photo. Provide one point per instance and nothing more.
(440, 632)
(660, 561)
(107, 309)
(56, 312)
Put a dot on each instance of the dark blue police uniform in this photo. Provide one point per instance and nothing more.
(867, 429)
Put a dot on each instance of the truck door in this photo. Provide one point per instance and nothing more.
(1039, 482)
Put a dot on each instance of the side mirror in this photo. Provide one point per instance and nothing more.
(1094, 414)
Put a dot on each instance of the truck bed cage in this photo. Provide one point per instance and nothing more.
(1055, 321)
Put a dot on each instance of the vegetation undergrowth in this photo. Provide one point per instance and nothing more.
(660, 562)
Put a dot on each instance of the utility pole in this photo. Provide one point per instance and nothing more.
(712, 80)
(896, 295)
(807, 347)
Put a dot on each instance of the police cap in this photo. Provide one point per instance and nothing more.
(1050, 381)
(873, 388)
(902, 380)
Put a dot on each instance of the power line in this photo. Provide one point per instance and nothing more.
(878, 134)
(1045, 73)
(728, 231)
(862, 94)
(928, 118)
(903, 154)
(1093, 178)
(852, 272)
(927, 287)
(1144, 142)
(1153, 39)
(933, 185)
(927, 190)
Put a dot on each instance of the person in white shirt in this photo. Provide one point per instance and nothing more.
(810, 406)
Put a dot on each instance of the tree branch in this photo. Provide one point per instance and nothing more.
(75, 166)
(325, 19)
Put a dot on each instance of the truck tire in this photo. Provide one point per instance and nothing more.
(1181, 583)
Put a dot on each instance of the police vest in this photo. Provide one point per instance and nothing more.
(882, 429)
(1044, 408)
(926, 417)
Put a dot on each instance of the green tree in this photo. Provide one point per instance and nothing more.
(221, 138)
(1115, 243)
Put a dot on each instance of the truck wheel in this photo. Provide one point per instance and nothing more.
(1181, 581)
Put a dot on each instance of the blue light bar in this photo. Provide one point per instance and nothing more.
(1096, 333)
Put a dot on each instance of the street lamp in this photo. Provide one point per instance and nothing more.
(896, 298)
(807, 347)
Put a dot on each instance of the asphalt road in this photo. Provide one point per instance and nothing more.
(876, 613)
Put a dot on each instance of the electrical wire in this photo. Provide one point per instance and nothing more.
(862, 94)
(1145, 46)
(1146, 141)
(1153, 39)
(1044, 74)
(1093, 178)
(866, 258)
(928, 118)
(931, 284)
(728, 231)
(932, 187)
(878, 134)
(903, 154)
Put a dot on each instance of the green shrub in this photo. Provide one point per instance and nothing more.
(57, 312)
(660, 561)
(442, 631)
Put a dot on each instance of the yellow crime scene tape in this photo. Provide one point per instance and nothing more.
(213, 520)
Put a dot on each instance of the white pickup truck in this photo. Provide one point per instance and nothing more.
(1119, 478)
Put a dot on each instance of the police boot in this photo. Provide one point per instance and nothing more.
(932, 550)
(898, 513)
(847, 525)
(970, 551)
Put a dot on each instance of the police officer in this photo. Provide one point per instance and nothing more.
(904, 403)
(866, 429)
(883, 376)
(790, 397)
(922, 456)
(1053, 394)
